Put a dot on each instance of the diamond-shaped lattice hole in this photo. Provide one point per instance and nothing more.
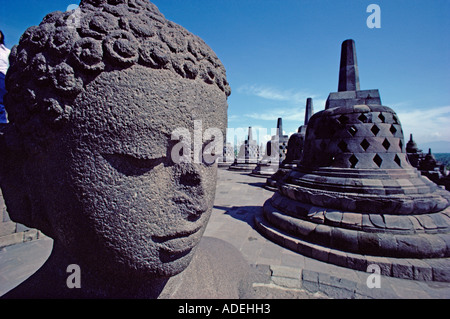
(323, 145)
(365, 144)
(401, 145)
(352, 130)
(343, 146)
(393, 129)
(353, 160)
(378, 160)
(343, 119)
(394, 117)
(381, 117)
(386, 144)
(398, 161)
(363, 118)
(375, 130)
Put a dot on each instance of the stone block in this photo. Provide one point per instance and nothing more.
(369, 243)
(287, 282)
(310, 280)
(322, 235)
(421, 270)
(283, 271)
(344, 239)
(7, 228)
(333, 218)
(446, 239)
(304, 248)
(21, 228)
(11, 239)
(439, 221)
(384, 263)
(30, 235)
(357, 262)
(438, 245)
(440, 269)
(305, 229)
(398, 223)
(368, 94)
(377, 221)
(402, 268)
(388, 244)
(338, 257)
(352, 220)
(321, 253)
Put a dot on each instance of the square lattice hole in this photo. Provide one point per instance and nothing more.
(365, 144)
(386, 144)
(378, 160)
(353, 161)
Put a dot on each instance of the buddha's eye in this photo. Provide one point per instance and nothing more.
(132, 166)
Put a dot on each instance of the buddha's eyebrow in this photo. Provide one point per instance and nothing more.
(131, 166)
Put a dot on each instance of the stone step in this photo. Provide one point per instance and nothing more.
(405, 268)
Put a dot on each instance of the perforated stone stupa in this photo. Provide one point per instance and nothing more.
(354, 199)
(276, 150)
(294, 150)
(248, 155)
(227, 157)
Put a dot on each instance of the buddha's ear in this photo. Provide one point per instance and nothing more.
(12, 179)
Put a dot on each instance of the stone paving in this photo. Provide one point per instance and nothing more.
(282, 273)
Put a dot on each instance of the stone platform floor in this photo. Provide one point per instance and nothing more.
(282, 273)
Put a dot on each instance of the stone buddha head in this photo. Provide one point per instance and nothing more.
(94, 96)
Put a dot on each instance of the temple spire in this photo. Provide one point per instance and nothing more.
(348, 74)
(280, 127)
(250, 134)
(309, 110)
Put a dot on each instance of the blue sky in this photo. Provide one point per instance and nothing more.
(280, 52)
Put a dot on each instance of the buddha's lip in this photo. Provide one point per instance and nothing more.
(179, 242)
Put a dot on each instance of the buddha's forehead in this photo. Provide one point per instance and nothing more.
(136, 106)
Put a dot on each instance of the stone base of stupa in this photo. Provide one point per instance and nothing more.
(271, 182)
(265, 170)
(225, 164)
(244, 165)
(410, 246)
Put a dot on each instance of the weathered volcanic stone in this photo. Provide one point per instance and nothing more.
(88, 148)
(356, 190)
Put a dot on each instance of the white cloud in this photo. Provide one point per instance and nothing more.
(270, 93)
(426, 124)
(293, 97)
